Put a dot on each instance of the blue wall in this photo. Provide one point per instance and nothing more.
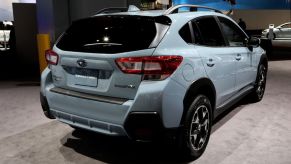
(241, 4)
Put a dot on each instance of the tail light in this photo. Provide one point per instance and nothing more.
(151, 67)
(51, 57)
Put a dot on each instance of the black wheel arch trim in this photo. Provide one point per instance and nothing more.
(196, 88)
(264, 59)
(45, 107)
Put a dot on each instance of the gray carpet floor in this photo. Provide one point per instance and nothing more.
(258, 133)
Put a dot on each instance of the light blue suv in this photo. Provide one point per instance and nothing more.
(152, 74)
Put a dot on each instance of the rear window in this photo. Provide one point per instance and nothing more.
(109, 34)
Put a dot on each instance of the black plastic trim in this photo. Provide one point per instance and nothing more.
(45, 107)
(264, 58)
(194, 89)
(221, 109)
(152, 122)
(106, 99)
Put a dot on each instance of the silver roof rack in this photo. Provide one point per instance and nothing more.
(193, 8)
(131, 8)
(112, 10)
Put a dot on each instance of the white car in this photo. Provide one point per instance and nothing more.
(5, 27)
(4, 38)
(280, 32)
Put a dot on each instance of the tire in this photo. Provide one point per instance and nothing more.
(197, 127)
(260, 85)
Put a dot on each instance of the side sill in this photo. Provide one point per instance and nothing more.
(244, 92)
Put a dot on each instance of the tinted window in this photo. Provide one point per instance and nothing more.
(1, 26)
(233, 33)
(186, 34)
(109, 34)
(210, 32)
(197, 35)
(286, 26)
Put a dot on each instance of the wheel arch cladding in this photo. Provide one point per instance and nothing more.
(264, 60)
(202, 86)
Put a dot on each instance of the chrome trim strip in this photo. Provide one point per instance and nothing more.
(106, 99)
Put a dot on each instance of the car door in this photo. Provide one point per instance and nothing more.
(236, 38)
(218, 61)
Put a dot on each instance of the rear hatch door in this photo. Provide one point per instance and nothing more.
(88, 49)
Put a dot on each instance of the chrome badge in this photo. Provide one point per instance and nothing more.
(82, 63)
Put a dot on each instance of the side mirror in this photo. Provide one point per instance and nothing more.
(252, 42)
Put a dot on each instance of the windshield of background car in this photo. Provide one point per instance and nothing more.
(110, 34)
(286, 25)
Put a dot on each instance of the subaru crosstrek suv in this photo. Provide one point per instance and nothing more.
(147, 74)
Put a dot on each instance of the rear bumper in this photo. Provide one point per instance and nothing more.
(140, 126)
(89, 124)
(140, 119)
(108, 116)
(79, 119)
(98, 116)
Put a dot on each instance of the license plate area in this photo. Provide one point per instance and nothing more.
(85, 77)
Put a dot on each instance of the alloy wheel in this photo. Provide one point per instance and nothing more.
(199, 127)
(261, 83)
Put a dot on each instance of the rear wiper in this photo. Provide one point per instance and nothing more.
(106, 44)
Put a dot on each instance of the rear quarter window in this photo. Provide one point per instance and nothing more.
(185, 33)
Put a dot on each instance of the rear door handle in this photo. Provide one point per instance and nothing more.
(238, 57)
(210, 62)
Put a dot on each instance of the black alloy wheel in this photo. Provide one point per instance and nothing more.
(260, 85)
(197, 127)
(261, 81)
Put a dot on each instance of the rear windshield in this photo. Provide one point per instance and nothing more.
(109, 34)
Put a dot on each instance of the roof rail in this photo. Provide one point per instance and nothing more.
(131, 8)
(112, 10)
(174, 9)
